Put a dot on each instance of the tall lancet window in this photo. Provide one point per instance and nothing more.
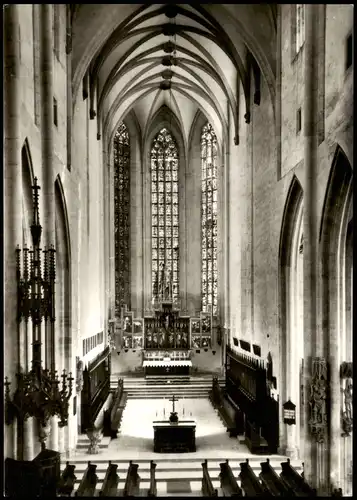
(122, 217)
(300, 26)
(209, 219)
(165, 217)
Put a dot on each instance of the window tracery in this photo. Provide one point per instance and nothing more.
(209, 210)
(122, 217)
(165, 217)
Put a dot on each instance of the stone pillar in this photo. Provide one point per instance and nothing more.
(12, 200)
(53, 437)
(315, 454)
(28, 437)
(227, 225)
(61, 441)
(69, 85)
(48, 174)
(48, 177)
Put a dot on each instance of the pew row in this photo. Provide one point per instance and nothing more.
(152, 492)
(207, 486)
(272, 483)
(249, 481)
(88, 483)
(229, 485)
(66, 482)
(110, 483)
(132, 482)
(292, 479)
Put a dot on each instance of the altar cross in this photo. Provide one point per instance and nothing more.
(173, 400)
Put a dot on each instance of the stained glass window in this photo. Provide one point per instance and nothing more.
(209, 219)
(122, 217)
(165, 217)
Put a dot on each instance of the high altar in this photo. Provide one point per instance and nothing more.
(166, 337)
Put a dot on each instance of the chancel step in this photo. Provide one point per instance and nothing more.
(157, 387)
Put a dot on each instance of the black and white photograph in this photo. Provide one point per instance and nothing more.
(178, 250)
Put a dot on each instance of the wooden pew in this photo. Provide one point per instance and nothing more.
(152, 492)
(228, 481)
(207, 486)
(88, 483)
(272, 483)
(132, 482)
(249, 481)
(119, 402)
(66, 483)
(110, 483)
(295, 481)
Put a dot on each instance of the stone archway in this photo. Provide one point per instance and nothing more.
(336, 264)
(291, 318)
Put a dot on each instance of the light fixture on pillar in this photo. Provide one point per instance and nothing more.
(38, 394)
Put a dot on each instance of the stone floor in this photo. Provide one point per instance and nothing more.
(135, 442)
(135, 439)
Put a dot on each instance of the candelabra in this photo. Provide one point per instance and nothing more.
(38, 394)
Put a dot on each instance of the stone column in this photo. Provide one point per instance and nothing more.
(12, 201)
(61, 440)
(315, 454)
(48, 175)
(53, 437)
(227, 225)
(28, 434)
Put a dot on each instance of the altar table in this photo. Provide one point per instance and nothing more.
(179, 437)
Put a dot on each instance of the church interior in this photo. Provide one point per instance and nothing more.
(178, 236)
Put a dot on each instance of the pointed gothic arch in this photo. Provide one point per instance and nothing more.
(291, 304)
(336, 267)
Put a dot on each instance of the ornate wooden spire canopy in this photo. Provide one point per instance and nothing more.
(37, 393)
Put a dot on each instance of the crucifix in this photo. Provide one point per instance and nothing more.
(173, 399)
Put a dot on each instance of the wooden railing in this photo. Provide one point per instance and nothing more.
(119, 402)
(153, 489)
(229, 484)
(132, 482)
(110, 483)
(88, 483)
(66, 483)
(207, 486)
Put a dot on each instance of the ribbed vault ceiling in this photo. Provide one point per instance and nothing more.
(181, 56)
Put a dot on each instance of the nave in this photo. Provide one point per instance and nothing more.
(178, 207)
(174, 473)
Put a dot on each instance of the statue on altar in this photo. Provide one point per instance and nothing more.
(178, 339)
(168, 284)
(165, 283)
(184, 341)
(162, 338)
